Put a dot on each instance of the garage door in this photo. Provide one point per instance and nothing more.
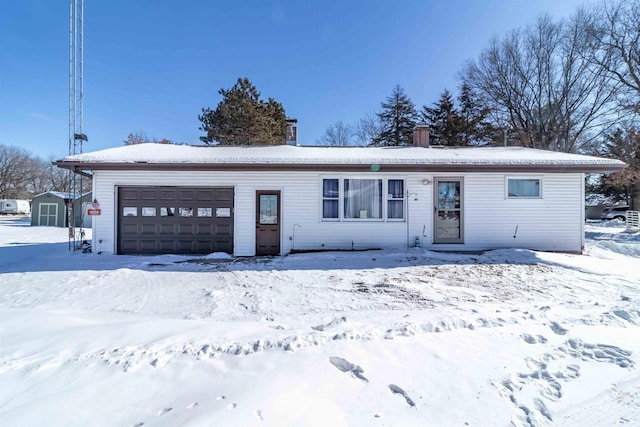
(175, 220)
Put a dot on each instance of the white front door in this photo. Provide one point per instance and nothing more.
(48, 214)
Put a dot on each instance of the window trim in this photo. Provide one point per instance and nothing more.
(402, 198)
(522, 178)
(341, 200)
(323, 198)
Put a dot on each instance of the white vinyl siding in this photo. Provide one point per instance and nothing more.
(552, 223)
(490, 220)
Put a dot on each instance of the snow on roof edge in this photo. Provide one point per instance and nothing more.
(285, 154)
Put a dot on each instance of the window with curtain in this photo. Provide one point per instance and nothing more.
(363, 198)
(330, 198)
(523, 188)
(395, 202)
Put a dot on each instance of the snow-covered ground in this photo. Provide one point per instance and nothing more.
(378, 338)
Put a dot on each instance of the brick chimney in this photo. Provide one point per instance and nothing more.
(292, 131)
(421, 135)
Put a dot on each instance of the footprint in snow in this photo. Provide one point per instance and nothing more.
(335, 322)
(192, 405)
(164, 411)
(558, 329)
(530, 339)
(397, 390)
(346, 366)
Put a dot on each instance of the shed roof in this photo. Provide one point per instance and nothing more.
(286, 157)
(61, 195)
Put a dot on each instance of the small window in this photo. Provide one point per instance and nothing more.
(523, 188)
(205, 212)
(185, 212)
(148, 211)
(330, 198)
(129, 211)
(395, 202)
(167, 211)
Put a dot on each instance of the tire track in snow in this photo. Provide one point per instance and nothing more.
(150, 293)
(617, 405)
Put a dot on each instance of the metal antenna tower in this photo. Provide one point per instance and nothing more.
(76, 96)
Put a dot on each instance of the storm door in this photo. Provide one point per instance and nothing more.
(267, 222)
(448, 206)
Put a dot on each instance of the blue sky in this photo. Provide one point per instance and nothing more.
(152, 65)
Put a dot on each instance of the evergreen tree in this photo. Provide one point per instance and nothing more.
(474, 125)
(444, 121)
(622, 144)
(242, 118)
(398, 116)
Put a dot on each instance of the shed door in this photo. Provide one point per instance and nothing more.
(448, 211)
(175, 220)
(267, 222)
(48, 214)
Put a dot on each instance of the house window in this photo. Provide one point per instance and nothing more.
(330, 198)
(395, 196)
(523, 188)
(363, 198)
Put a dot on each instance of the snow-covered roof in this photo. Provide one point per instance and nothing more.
(61, 194)
(287, 156)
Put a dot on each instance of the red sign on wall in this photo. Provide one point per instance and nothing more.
(93, 212)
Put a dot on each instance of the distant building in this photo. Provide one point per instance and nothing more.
(50, 209)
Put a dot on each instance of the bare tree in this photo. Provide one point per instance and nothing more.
(613, 34)
(58, 178)
(16, 167)
(368, 128)
(140, 137)
(541, 87)
(23, 176)
(337, 134)
(37, 181)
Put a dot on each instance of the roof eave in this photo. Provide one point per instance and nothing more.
(322, 167)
